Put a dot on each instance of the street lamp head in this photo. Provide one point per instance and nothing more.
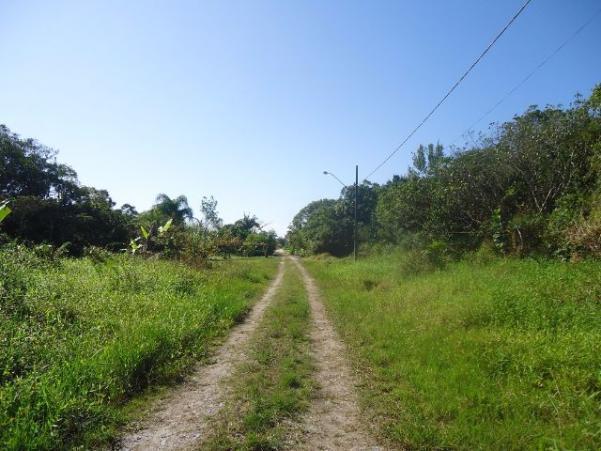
(334, 176)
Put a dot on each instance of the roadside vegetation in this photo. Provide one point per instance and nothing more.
(531, 187)
(474, 310)
(98, 302)
(49, 206)
(489, 353)
(81, 337)
(274, 387)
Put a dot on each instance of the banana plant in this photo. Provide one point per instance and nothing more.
(165, 227)
(135, 245)
(145, 233)
(4, 211)
(141, 242)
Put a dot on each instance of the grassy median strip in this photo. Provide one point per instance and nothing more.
(80, 338)
(503, 354)
(275, 385)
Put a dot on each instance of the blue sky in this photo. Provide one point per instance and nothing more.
(249, 101)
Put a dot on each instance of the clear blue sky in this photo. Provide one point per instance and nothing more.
(249, 101)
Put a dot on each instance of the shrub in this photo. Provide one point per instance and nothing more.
(196, 247)
(584, 237)
(259, 244)
(486, 253)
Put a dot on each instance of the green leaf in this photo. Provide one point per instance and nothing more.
(145, 232)
(134, 245)
(164, 228)
(4, 211)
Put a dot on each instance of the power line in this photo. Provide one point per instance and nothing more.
(450, 91)
(536, 69)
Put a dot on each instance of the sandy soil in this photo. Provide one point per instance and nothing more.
(333, 421)
(179, 421)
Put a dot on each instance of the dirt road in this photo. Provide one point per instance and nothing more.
(179, 421)
(333, 422)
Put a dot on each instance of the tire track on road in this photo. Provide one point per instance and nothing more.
(180, 420)
(333, 421)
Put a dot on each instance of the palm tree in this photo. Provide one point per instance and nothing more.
(245, 226)
(176, 209)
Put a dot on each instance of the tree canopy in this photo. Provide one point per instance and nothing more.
(49, 205)
(533, 186)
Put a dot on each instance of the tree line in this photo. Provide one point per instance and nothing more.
(48, 206)
(533, 186)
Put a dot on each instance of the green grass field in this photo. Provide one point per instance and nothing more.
(275, 385)
(495, 354)
(79, 339)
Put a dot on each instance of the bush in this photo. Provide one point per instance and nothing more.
(584, 237)
(196, 247)
(97, 254)
(416, 262)
(259, 244)
(487, 253)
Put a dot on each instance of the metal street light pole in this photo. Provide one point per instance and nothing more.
(355, 227)
(355, 207)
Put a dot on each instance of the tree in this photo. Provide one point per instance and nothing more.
(322, 226)
(403, 208)
(129, 210)
(534, 185)
(27, 168)
(227, 244)
(208, 207)
(427, 160)
(367, 199)
(49, 205)
(176, 209)
(245, 226)
(259, 244)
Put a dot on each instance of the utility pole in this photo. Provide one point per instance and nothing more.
(355, 228)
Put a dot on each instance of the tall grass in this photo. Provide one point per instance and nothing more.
(79, 338)
(485, 354)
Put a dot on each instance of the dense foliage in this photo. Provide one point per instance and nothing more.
(79, 337)
(534, 186)
(49, 206)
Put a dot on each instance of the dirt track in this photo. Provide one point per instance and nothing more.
(333, 422)
(180, 420)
